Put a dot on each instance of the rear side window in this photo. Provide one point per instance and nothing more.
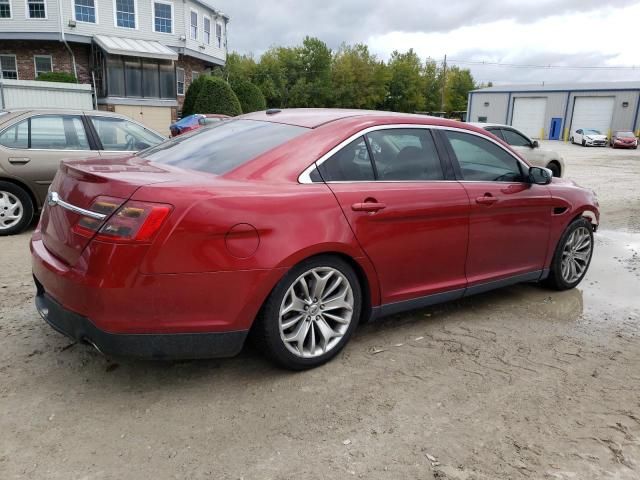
(221, 147)
(351, 164)
(405, 154)
(16, 136)
(58, 132)
(483, 160)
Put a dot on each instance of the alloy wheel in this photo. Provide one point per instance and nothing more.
(576, 254)
(11, 210)
(316, 312)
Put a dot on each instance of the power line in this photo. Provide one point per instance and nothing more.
(541, 67)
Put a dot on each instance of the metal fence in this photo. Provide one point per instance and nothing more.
(36, 94)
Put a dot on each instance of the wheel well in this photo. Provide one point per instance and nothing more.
(364, 283)
(18, 183)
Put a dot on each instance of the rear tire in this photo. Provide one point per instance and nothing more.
(292, 328)
(573, 255)
(16, 209)
(572, 141)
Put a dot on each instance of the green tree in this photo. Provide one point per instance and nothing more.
(239, 67)
(406, 85)
(192, 94)
(249, 95)
(216, 96)
(432, 86)
(358, 79)
(459, 83)
(315, 59)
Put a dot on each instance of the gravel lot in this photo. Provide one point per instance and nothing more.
(519, 383)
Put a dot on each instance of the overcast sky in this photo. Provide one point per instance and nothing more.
(533, 32)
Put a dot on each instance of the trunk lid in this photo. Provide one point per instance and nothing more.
(78, 184)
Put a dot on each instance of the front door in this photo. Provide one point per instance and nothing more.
(556, 129)
(510, 218)
(411, 223)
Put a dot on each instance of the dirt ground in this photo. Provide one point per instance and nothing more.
(519, 383)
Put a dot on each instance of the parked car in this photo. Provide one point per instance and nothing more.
(588, 137)
(623, 140)
(291, 225)
(194, 122)
(33, 142)
(529, 149)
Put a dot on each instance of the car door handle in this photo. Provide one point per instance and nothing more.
(19, 160)
(368, 207)
(486, 199)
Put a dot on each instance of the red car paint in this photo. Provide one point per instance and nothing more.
(230, 238)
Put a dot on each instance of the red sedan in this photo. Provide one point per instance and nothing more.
(295, 226)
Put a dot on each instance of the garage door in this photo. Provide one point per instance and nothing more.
(528, 116)
(156, 118)
(593, 112)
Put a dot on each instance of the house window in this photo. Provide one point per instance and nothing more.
(42, 64)
(219, 34)
(126, 13)
(206, 27)
(194, 75)
(194, 25)
(85, 10)
(163, 17)
(134, 77)
(5, 9)
(180, 80)
(36, 9)
(8, 67)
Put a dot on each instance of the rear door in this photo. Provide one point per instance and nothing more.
(410, 221)
(510, 218)
(34, 147)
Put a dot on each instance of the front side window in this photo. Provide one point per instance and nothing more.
(8, 67)
(85, 10)
(42, 64)
(16, 136)
(206, 27)
(194, 25)
(163, 17)
(126, 13)
(482, 160)
(515, 139)
(223, 146)
(350, 164)
(180, 80)
(36, 9)
(405, 154)
(119, 134)
(219, 35)
(58, 132)
(5, 8)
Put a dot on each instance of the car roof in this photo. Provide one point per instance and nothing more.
(316, 117)
(484, 125)
(14, 112)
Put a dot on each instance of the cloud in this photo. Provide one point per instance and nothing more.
(571, 32)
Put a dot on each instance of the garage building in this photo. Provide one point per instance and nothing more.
(553, 111)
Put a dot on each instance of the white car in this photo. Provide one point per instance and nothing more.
(588, 137)
(529, 149)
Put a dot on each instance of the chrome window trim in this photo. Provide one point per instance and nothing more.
(305, 176)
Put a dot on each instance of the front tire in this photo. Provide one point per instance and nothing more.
(16, 209)
(311, 313)
(573, 255)
(555, 169)
(584, 143)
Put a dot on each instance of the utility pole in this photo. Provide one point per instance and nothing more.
(444, 82)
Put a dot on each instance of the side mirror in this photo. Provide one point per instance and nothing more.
(540, 176)
(535, 144)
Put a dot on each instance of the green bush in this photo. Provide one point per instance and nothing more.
(192, 95)
(63, 77)
(250, 96)
(216, 96)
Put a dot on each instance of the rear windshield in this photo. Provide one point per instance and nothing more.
(221, 147)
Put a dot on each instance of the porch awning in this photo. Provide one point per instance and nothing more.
(134, 48)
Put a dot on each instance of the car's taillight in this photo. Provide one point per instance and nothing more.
(88, 226)
(134, 222)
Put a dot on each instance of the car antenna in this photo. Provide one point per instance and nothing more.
(273, 111)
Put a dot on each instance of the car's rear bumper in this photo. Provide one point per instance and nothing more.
(153, 346)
